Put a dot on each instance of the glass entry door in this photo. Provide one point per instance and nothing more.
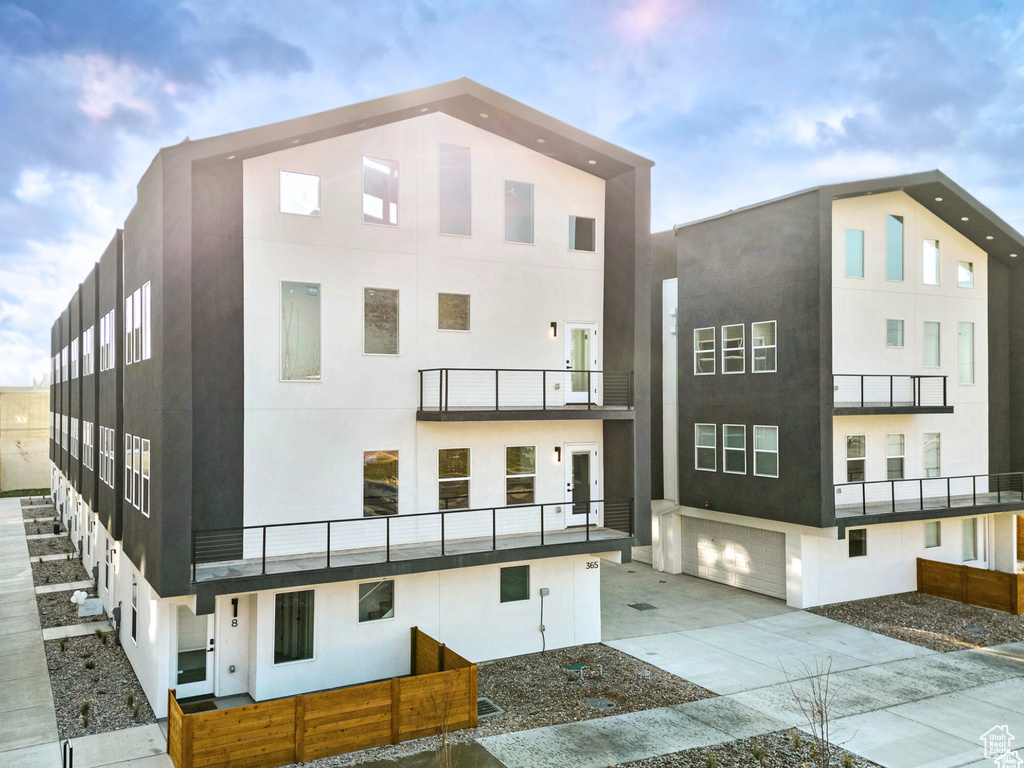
(581, 357)
(581, 483)
(194, 654)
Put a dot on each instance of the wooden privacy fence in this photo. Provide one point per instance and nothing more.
(440, 694)
(974, 586)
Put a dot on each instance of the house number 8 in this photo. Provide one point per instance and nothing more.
(234, 622)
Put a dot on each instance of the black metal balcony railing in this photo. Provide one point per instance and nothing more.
(923, 493)
(883, 391)
(495, 389)
(257, 550)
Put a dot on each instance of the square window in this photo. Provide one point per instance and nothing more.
(293, 626)
(518, 212)
(300, 193)
(734, 447)
(930, 262)
(453, 478)
(894, 333)
(763, 346)
(455, 190)
(705, 447)
(766, 451)
(453, 312)
(515, 583)
(965, 274)
(855, 253)
(582, 234)
(300, 331)
(376, 600)
(380, 483)
(703, 351)
(520, 473)
(858, 541)
(933, 534)
(380, 321)
(380, 191)
(733, 354)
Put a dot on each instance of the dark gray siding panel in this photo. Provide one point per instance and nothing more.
(756, 265)
(89, 388)
(110, 414)
(999, 434)
(1015, 364)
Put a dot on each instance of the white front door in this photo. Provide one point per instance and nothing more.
(194, 657)
(581, 483)
(580, 358)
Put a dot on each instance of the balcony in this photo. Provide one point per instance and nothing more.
(860, 394)
(967, 494)
(367, 546)
(491, 394)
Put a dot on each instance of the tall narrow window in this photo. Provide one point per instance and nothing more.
(855, 458)
(966, 344)
(704, 351)
(455, 190)
(300, 331)
(380, 483)
(453, 478)
(932, 454)
(518, 212)
(128, 349)
(300, 193)
(293, 626)
(965, 274)
(582, 234)
(452, 312)
(380, 191)
(145, 478)
(127, 467)
(734, 449)
(136, 471)
(137, 325)
(520, 473)
(380, 321)
(135, 608)
(894, 455)
(969, 533)
(147, 321)
(705, 447)
(762, 342)
(931, 345)
(766, 451)
(855, 253)
(933, 534)
(893, 247)
(857, 542)
(894, 333)
(74, 359)
(733, 353)
(931, 262)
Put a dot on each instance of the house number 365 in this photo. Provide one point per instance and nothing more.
(592, 564)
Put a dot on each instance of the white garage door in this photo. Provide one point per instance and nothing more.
(737, 555)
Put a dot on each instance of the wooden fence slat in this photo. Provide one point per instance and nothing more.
(396, 697)
(186, 742)
(300, 728)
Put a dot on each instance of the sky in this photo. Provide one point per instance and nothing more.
(736, 101)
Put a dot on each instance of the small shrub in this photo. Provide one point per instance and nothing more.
(90, 664)
(86, 655)
(711, 762)
(101, 692)
(84, 708)
(758, 751)
(848, 762)
(62, 644)
(795, 736)
(129, 699)
(136, 710)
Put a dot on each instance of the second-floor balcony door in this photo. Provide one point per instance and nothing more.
(581, 357)
(581, 483)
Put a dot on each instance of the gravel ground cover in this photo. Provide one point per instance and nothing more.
(57, 610)
(36, 527)
(94, 687)
(57, 546)
(536, 691)
(931, 622)
(33, 513)
(772, 750)
(58, 572)
(35, 501)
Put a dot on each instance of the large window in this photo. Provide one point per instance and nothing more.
(582, 234)
(855, 253)
(520, 474)
(515, 583)
(518, 212)
(705, 447)
(762, 342)
(452, 312)
(455, 191)
(970, 539)
(766, 451)
(965, 274)
(930, 262)
(893, 247)
(300, 331)
(855, 458)
(380, 191)
(894, 333)
(931, 345)
(293, 626)
(376, 600)
(734, 448)
(966, 352)
(300, 193)
(932, 454)
(894, 456)
(453, 478)
(380, 321)
(703, 350)
(380, 483)
(733, 353)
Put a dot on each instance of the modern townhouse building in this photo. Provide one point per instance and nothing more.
(838, 390)
(380, 367)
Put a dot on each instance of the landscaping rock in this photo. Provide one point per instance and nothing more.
(57, 610)
(56, 546)
(58, 572)
(36, 527)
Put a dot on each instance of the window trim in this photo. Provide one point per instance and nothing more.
(777, 451)
(960, 284)
(280, 332)
(849, 539)
(726, 449)
(532, 475)
(742, 349)
(319, 194)
(713, 350)
(863, 458)
(312, 656)
(145, 458)
(775, 346)
(468, 478)
(903, 332)
(127, 468)
(938, 538)
(924, 455)
(136, 470)
(924, 261)
(362, 190)
(901, 456)
(398, 492)
(697, 446)
(398, 323)
(529, 578)
(394, 601)
(979, 540)
(469, 298)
